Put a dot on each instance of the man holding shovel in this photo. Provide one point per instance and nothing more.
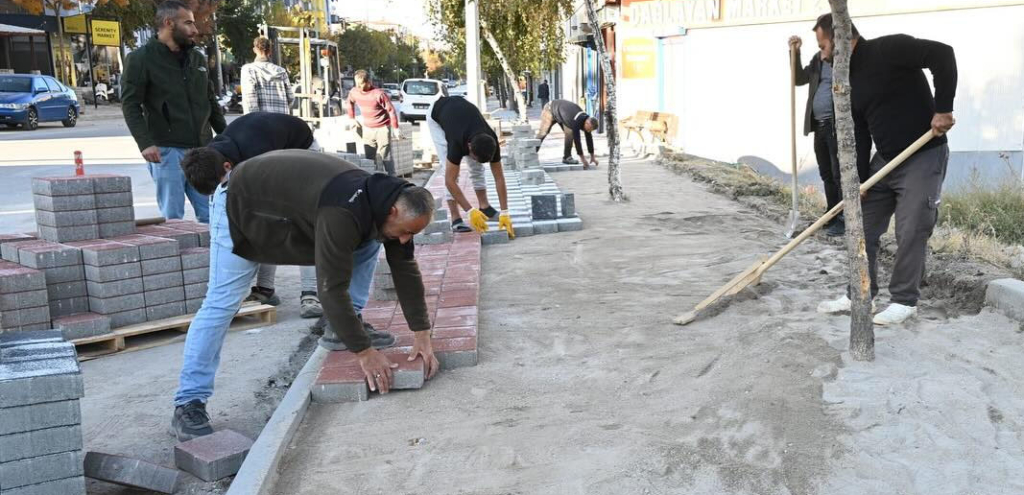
(819, 117)
(893, 105)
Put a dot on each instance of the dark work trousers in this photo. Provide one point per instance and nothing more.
(913, 192)
(547, 121)
(826, 150)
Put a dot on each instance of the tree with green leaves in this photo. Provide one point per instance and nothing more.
(238, 22)
(528, 33)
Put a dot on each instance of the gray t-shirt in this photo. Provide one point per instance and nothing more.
(822, 105)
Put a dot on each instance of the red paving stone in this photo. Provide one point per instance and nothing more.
(451, 278)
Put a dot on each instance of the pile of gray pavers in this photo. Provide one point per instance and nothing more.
(535, 208)
(40, 418)
(89, 270)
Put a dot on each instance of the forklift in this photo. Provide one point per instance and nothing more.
(320, 92)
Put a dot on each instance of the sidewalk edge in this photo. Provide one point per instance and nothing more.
(259, 471)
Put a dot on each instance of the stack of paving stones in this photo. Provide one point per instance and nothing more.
(195, 271)
(113, 274)
(401, 151)
(61, 265)
(162, 279)
(40, 418)
(83, 207)
(451, 277)
(359, 161)
(24, 304)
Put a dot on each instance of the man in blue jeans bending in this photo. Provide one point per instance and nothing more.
(334, 216)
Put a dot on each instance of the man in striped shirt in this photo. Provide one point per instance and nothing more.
(379, 118)
(265, 86)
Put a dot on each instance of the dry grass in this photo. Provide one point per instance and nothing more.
(994, 211)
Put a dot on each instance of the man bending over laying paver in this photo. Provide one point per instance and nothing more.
(460, 131)
(573, 120)
(331, 215)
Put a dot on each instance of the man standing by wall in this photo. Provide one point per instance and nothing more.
(819, 117)
(379, 118)
(893, 106)
(544, 93)
(169, 106)
(265, 86)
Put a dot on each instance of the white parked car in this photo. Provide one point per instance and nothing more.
(459, 90)
(393, 90)
(417, 96)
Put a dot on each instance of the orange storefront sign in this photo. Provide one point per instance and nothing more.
(639, 58)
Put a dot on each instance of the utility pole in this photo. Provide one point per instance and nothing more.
(473, 92)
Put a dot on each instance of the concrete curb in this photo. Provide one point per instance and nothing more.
(259, 471)
(1006, 295)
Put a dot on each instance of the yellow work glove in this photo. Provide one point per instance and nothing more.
(505, 223)
(477, 220)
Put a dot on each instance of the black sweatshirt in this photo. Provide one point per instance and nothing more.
(254, 134)
(570, 115)
(461, 120)
(892, 101)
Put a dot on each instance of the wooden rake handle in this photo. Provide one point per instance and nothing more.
(754, 272)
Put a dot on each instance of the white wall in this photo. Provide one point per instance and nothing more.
(732, 94)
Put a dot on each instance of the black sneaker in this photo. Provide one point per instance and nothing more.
(570, 161)
(264, 296)
(378, 339)
(837, 229)
(191, 421)
(491, 213)
(459, 226)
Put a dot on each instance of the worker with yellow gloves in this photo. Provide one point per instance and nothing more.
(460, 131)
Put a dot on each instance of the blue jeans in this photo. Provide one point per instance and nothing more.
(171, 187)
(230, 276)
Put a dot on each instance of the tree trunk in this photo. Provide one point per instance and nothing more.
(612, 128)
(61, 76)
(862, 332)
(520, 102)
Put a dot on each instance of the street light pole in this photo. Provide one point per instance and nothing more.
(473, 92)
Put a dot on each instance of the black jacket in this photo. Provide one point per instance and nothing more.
(256, 133)
(320, 217)
(570, 116)
(808, 75)
(543, 92)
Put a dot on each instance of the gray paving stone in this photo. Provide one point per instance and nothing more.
(109, 183)
(162, 281)
(213, 457)
(195, 275)
(65, 274)
(39, 416)
(66, 486)
(113, 305)
(197, 257)
(67, 290)
(104, 252)
(12, 339)
(545, 227)
(82, 326)
(40, 442)
(64, 203)
(441, 214)
(186, 240)
(192, 306)
(457, 359)
(204, 239)
(116, 214)
(125, 318)
(161, 265)
(19, 300)
(25, 316)
(151, 247)
(66, 307)
(1006, 295)
(568, 205)
(115, 288)
(62, 186)
(195, 291)
(523, 229)
(570, 224)
(36, 351)
(43, 254)
(130, 472)
(9, 245)
(545, 207)
(168, 310)
(17, 278)
(116, 229)
(428, 239)
(113, 200)
(436, 226)
(165, 296)
(495, 237)
(68, 234)
(334, 393)
(41, 469)
(66, 218)
(113, 272)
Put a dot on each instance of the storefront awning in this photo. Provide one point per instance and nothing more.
(8, 30)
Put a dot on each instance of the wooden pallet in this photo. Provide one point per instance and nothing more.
(161, 332)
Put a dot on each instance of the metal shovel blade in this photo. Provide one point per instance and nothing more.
(794, 221)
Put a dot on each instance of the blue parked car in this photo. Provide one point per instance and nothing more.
(27, 100)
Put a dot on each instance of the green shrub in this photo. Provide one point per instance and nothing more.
(996, 210)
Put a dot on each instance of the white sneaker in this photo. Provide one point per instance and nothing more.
(895, 314)
(840, 305)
